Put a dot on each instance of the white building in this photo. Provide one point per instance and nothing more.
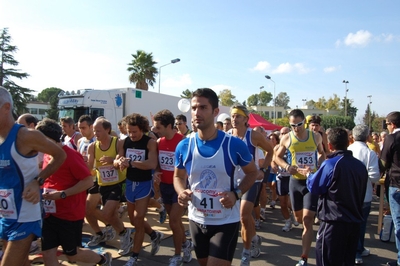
(38, 109)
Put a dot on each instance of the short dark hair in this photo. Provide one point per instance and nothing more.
(165, 117)
(297, 113)
(87, 119)
(138, 120)
(338, 138)
(315, 119)
(50, 128)
(29, 119)
(394, 118)
(209, 94)
(219, 123)
(67, 120)
(181, 117)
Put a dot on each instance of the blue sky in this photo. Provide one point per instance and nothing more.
(307, 47)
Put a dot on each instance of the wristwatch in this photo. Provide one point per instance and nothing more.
(63, 195)
(238, 194)
(39, 180)
(263, 169)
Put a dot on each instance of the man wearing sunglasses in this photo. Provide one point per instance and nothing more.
(390, 159)
(181, 125)
(305, 151)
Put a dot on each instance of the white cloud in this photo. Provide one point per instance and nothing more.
(289, 68)
(360, 38)
(262, 66)
(338, 43)
(331, 69)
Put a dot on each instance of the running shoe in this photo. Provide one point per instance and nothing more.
(272, 204)
(96, 240)
(245, 261)
(288, 225)
(126, 242)
(187, 249)
(302, 262)
(156, 242)
(358, 261)
(255, 250)
(176, 261)
(133, 261)
(109, 233)
(122, 210)
(108, 257)
(34, 248)
(262, 214)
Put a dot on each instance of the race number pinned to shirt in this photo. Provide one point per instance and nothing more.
(49, 205)
(207, 204)
(305, 159)
(135, 154)
(108, 174)
(8, 208)
(166, 159)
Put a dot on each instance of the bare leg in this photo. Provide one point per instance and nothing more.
(248, 227)
(20, 247)
(308, 233)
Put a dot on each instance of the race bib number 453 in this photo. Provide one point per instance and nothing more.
(305, 159)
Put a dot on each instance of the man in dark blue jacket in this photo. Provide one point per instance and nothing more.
(341, 183)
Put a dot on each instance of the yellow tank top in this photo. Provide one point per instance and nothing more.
(107, 175)
(303, 153)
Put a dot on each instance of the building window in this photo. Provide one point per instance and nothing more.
(266, 114)
(42, 111)
(279, 114)
(33, 111)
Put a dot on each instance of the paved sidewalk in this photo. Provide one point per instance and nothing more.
(280, 248)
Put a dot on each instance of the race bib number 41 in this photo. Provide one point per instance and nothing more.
(207, 204)
(8, 208)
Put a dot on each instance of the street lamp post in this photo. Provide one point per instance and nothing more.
(173, 61)
(259, 96)
(345, 97)
(369, 111)
(268, 77)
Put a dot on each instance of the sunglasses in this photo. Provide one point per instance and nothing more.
(298, 124)
(388, 123)
(178, 123)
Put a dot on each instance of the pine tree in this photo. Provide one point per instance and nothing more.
(19, 94)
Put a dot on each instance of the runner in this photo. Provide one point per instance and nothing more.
(164, 122)
(64, 197)
(20, 214)
(102, 153)
(139, 158)
(253, 139)
(303, 146)
(209, 157)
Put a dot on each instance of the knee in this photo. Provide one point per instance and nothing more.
(308, 221)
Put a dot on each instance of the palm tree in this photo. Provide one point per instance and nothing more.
(143, 70)
(187, 94)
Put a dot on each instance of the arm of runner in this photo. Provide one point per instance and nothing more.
(184, 194)
(320, 149)
(82, 185)
(151, 162)
(33, 141)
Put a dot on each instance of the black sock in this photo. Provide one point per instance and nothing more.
(153, 235)
(100, 233)
(135, 255)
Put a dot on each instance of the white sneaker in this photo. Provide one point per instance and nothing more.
(96, 240)
(133, 261)
(176, 261)
(288, 225)
(126, 243)
(255, 250)
(155, 244)
(109, 233)
(262, 214)
(245, 261)
(272, 204)
(187, 251)
(365, 252)
(123, 208)
(34, 248)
